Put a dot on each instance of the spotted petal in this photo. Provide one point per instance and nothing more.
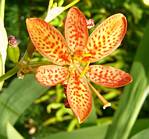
(76, 32)
(48, 41)
(106, 37)
(79, 96)
(50, 75)
(108, 76)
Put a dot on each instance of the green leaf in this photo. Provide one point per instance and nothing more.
(144, 134)
(93, 132)
(139, 125)
(16, 99)
(135, 10)
(3, 48)
(134, 94)
(60, 2)
(12, 133)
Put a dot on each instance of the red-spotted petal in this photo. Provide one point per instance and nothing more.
(50, 75)
(76, 32)
(108, 76)
(79, 96)
(48, 41)
(106, 37)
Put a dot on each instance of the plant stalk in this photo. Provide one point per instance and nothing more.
(2, 9)
(71, 4)
(9, 74)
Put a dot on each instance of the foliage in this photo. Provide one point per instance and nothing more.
(35, 111)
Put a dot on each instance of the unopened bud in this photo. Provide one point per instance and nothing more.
(90, 23)
(12, 41)
(13, 52)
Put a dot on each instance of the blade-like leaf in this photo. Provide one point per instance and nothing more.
(12, 133)
(16, 99)
(134, 94)
(139, 125)
(142, 135)
(95, 132)
(3, 48)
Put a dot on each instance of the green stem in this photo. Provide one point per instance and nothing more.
(2, 9)
(14, 70)
(28, 53)
(37, 64)
(71, 4)
(9, 74)
(50, 4)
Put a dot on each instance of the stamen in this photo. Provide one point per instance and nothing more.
(86, 57)
(87, 65)
(103, 100)
(77, 58)
(85, 70)
(87, 54)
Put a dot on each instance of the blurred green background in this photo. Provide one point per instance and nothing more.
(31, 111)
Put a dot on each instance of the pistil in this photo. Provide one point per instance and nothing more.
(102, 99)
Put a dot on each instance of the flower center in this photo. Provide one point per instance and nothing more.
(79, 62)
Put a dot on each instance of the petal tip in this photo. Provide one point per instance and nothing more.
(32, 20)
(28, 20)
(82, 119)
(128, 79)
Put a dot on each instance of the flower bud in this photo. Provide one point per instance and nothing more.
(12, 41)
(13, 52)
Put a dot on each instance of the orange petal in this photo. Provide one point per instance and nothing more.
(79, 96)
(106, 37)
(50, 75)
(108, 76)
(76, 31)
(48, 41)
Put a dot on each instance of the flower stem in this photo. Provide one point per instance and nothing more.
(9, 74)
(2, 9)
(103, 100)
(50, 4)
(71, 4)
(28, 53)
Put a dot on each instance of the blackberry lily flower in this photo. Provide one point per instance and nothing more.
(71, 58)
